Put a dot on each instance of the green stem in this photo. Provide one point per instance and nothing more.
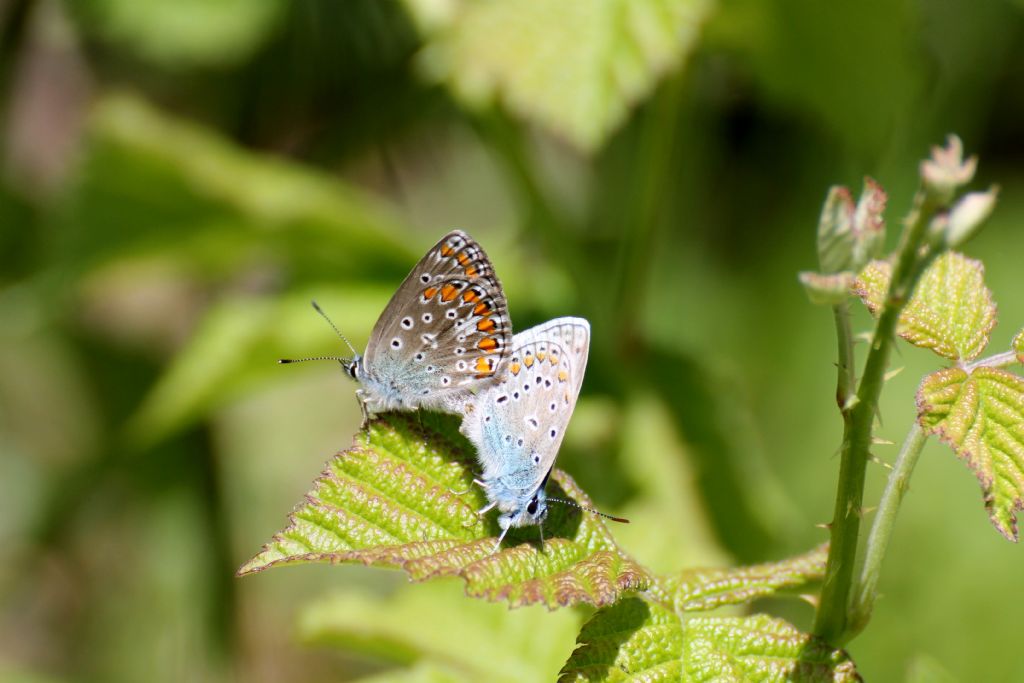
(832, 619)
(881, 529)
(846, 378)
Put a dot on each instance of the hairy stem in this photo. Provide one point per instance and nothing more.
(999, 360)
(881, 529)
(833, 617)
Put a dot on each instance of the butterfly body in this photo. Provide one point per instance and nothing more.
(444, 334)
(517, 425)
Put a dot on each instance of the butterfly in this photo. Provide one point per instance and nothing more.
(444, 335)
(517, 425)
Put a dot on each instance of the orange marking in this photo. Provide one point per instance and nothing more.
(462, 258)
(470, 296)
(514, 368)
(488, 344)
(528, 360)
(553, 359)
(446, 250)
(429, 292)
(448, 292)
(484, 366)
(482, 309)
(563, 376)
(485, 325)
(471, 271)
(540, 356)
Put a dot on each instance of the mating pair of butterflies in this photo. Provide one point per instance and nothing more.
(445, 342)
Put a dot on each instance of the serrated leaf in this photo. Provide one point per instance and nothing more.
(704, 589)
(981, 416)
(574, 66)
(393, 500)
(1018, 346)
(951, 311)
(639, 641)
(759, 648)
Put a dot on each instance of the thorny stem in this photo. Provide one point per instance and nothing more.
(895, 489)
(881, 528)
(832, 619)
(846, 374)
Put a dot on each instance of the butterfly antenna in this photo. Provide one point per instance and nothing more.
(303, 360)
(588, 509)
(330, 322)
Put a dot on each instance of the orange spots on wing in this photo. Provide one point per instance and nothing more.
(528, 360)
(482, 309)
(514, 368)
(488, 344)
(446, 250)
(462, 258)
(553, 358)
(540, 356)
(429, 293)
(563, 376)
(485, 325)
(448, 292)
(471, 271)
(484, 366)
(470, 296)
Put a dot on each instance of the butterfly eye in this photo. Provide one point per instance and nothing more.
(532, 507)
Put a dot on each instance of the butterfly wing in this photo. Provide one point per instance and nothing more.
(445, 333)
(518, 425)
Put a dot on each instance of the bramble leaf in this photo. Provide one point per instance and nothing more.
(697, 590)
(637, 641)
(1018, 346)
(609, 55)
(951, 311)
(981, 416)
(393, 500)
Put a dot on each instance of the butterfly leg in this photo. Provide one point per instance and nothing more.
(497, 546)
(478, 482)
(363, 401)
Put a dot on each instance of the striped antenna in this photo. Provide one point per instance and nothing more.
(588, 509)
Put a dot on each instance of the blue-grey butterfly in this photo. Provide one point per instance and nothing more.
(444, 335)
(517, 425)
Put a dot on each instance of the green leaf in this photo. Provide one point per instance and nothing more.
(233, 350)
(609, 54)
(827, 289)
(393, 500)
(186, 32)
(154, 185)
(1018, 346)
(697, 590)
(638, 641)
(478, 641)
(951, 311)
(850, 235)
(981, 416)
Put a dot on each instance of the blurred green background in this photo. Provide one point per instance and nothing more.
(180, 178)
